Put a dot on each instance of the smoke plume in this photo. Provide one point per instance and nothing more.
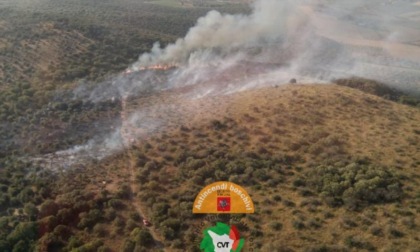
(318, 39)
(314, 41)
(224, 32)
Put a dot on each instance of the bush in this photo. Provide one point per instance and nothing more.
(376, 230)
(277, 198)
(124, 192)
(116, 204)
(355, 185)
(298, 224)
(91, 246)
(90, 219)
(299, 182)
(289, 203)
(261, 174)
(168, 233)
(276, 226)
(174, 224)
(395, 233)
(31, 210)
(143, 238)
(62, 231)
(24, 231)
(49, 207)
(358, 243)
(100, 230)
(119, 222)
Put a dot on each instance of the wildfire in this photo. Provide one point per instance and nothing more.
(158, 67)
(153, 67)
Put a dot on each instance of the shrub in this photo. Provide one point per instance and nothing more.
(298, 224)
(21, 246)
(124, 192)
(24, 231)
(104, 249)
(261, 174)
(144, 238)
(358, 243)
(47, 224)
(277, 198)
(376, 230)
(314, 223)
(409, 222)
(168, 233)
(393, 232)
(91, 246)
(116, 204)
(174, 224)
(160, 209)
(326, 248)
(289, 203)
(369, 86)
(135, 216)
(299, 182)
(119, 222)
(62, 231)
(49, 207)
(100, 230)
(31, 210)
(276, 226)
(355, 185)
(347, 222)
(131, 224)
(110, 214)
(217, 125)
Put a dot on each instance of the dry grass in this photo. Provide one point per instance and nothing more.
(303, 126)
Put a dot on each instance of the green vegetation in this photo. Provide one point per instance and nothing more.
(355, 185)
(303, 177)
(324, 165)
(22, 188)
(379, 89)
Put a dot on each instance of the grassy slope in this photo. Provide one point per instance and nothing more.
(267, 140)
(315, 125)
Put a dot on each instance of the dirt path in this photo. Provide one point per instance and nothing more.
(127, 137)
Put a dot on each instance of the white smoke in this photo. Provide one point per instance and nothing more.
(313, 41)
(224, 32)
(321, 39)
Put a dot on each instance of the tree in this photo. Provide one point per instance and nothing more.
(49, 207)
(24, 231)
(31, 210)
(144, 238)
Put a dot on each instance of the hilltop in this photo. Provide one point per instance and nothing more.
(273, 141)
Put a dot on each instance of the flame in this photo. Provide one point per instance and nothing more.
(158, 67)
(153, 67)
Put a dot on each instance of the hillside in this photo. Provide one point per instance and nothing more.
(94, 139)
(47, 48)
(271, 141)
(329, 168)
(59, 42)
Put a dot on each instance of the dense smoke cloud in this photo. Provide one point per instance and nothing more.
(224, 32)
(321, 39)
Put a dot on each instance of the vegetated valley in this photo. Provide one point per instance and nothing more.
(330, 167)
